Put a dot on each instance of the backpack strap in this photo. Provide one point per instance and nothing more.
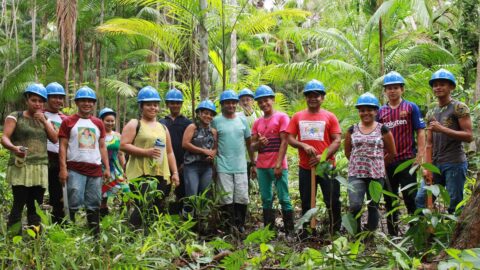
(136, 130)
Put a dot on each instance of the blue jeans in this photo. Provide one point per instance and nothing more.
(197, 177)
(84, 190)
(356, 197)
(453, 177)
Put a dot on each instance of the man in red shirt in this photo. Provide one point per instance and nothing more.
(312, 131)
(82, 152)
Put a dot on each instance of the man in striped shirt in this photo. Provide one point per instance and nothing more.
(404, 119)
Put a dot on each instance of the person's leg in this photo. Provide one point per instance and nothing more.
(35, 195)
(284, 198)
(373, 214)
(356, 196)
(205, 180)
(191, 185)
(455, 177)
(264, 177)
(331, 196)
(225, 186)
(20, 195)
(240, 199)
(55, 191)
(160, 201)
(93, 198)
(76, 192)
(391, 184)
(140, 204)
(304, 187)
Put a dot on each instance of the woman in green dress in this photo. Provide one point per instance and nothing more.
(25, 135)
(116, 159)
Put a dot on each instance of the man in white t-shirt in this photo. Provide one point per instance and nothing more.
(82, 152)
(56, 97)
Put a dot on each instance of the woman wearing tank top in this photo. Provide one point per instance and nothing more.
(147, 161)
(200, 144)
(25, 134)
(365, 145)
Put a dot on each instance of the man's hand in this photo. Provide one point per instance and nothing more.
(310, 150)
(175, 180)
(314, 160)
(63, 176)
(428, 177)
(277, 171)
(262, 140)
(106, 175)
(253, 172)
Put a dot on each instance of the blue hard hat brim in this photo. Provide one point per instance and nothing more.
(227, 99)
(315, 90)
(394, 82)
(33, 93)
(77, 98)
(262, 96)
(107, 113)
(56, 94)
(250, 95)
(367, 105)
(438, 79)
(206, 109)
(174, 99)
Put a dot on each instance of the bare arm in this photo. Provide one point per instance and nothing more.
(62, 159)
(299, 145)
(333, 147)
(8, 129)
(283, 149)
(172, 163)
(464, 134)
(104, 154)
(251, 154)
(126, 141)
(389, 143)
(187, 140)
(420, 145)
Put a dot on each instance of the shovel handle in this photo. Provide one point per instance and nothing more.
(313, 187)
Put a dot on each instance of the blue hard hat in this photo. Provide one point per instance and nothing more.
(228, 95)
(148, 93)
(393, 77)
(443, 74)
(245, 92)
(86, 93)
(37, 89)
(314, 86)
(55, 88)
(105, 112)
(174, 95)
(207, 105)
(367, 99)
(264, 91)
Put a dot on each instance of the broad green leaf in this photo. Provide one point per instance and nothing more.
(404, 165)
(413, 169)
(390, 194)
(375, 189)
(434, 221)
(17, 239)
(305, 218)
(344, 182)
(444, 195)
(324, 155)
(31, 233)
(349, 222)
(430, 167)
(434, 189)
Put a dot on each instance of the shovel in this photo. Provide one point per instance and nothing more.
(66, 209)
(313, 182)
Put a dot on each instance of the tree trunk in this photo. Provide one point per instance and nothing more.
(81, 58)
(34, 40)
(233, 50)
(477, 83)
(203, 40)
(98, 56)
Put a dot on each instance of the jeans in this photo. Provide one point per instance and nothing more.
(198, 176)
(266, 178)
(403, 178)
(84, 190)
(331, 196)
(145, 208)
(453, 177)
(22, 196)
(55, 190)
(356, 197)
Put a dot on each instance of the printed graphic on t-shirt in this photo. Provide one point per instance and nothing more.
(312, 130)
(86, 138)
(56, 126)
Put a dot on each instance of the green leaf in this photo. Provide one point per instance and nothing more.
(305, 218)
(17, 239)
(403, 166)
(375, 189)
(31, 233)
(263, 235)
(349, 222)
(434, 189)
(430, 167)
(344, 182)
(444, 195)
(324, 155)
(413, 169)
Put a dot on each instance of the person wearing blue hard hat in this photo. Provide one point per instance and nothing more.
(270, 140)
(149, 146)
(25, 135)
(200, 143)
(116, 159)
(313, 131)
(176, 123)
(82, 153)
(404, 120)
(368, 145)
(55, 101)
(233, 141)
(449, 126)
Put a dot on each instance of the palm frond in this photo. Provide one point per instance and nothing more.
(145, 68)
(116, 87)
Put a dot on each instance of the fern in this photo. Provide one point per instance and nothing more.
(235, 260)
(263, 235)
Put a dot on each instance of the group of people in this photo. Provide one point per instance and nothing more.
(83, 157)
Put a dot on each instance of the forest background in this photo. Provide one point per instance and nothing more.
(203, 47)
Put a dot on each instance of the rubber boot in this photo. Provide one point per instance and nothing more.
(228, 215)
(288, 222)
(14, 225)
(269, 218)
(72, 215)
(93, 219)
(240, 216)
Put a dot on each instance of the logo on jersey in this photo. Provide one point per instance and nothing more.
(395, 123)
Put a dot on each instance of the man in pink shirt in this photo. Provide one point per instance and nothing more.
(312, 131)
